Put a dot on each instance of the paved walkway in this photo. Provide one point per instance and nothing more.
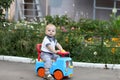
(25, 71)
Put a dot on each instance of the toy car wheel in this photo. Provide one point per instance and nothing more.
(41, 72)
(58, 75)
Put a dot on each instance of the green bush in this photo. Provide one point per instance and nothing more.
(20, 39)
(87, 40)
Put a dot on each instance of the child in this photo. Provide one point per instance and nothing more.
(48, 51)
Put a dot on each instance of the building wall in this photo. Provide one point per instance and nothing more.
(82, 8)
(105, 13)
(43, 7)
(75, 9)
(62, 7)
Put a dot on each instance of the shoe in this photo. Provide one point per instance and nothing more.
(49, 77)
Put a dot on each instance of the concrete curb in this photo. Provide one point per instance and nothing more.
(17, 59)
(76, 64)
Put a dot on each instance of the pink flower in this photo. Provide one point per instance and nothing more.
(63, 29)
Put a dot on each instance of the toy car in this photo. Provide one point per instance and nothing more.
(60, 69)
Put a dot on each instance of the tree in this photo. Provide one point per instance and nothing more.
(4, 5)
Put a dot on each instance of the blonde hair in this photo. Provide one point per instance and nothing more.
(50, 25)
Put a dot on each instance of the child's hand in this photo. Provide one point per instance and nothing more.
(57, 51)
(63, 50)
(60, 51)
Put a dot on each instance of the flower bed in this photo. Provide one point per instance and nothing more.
(87, 40)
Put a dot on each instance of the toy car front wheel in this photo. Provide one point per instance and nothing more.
(58, 75)
(41, 72)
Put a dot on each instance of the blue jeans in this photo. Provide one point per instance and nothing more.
(48, 58)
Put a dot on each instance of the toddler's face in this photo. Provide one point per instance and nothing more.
(50, 31)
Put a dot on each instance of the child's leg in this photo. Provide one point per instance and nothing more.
(48, 63)
(55, 56)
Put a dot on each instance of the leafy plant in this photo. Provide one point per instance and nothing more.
(87, 40)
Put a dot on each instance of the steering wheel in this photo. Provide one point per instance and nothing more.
(63, 53)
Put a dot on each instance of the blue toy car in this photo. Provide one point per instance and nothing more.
(61, 68)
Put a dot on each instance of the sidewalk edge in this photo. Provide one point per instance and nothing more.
(75, 64)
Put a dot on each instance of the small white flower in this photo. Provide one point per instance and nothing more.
(9, 30)
(4, 24)
(95, 53)
(31, 27)
(105, 43)
(38, 29)
(114, 10)
(86, 45)
(42, 24)
(15, 27)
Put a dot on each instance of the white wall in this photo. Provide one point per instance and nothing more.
(79, 9)
(84, 8)
(73, 8)
(62, 7)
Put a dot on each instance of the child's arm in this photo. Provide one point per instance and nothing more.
(51, 49)
(59, 46)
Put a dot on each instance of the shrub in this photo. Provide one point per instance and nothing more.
(86, 40)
